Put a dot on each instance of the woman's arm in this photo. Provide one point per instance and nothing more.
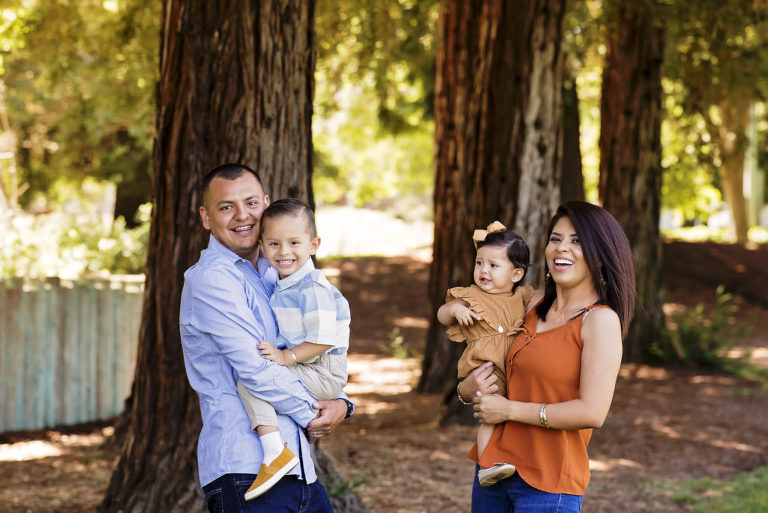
(600, 362)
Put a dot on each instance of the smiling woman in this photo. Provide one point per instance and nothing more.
(560, 370)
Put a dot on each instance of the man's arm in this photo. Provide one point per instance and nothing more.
(223, 312)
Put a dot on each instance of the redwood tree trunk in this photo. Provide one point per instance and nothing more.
(497, 144)
(236, 83)
(630, 156)
(572, 180)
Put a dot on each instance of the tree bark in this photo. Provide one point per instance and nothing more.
(497, 145)
(572, 180)
(732, 135)
(630, 156)
(236, 84)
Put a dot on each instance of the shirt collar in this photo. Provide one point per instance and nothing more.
(288, 281)
(262, 266)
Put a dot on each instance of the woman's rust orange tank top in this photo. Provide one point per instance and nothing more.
(543, 368)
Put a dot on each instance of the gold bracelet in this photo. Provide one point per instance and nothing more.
(295, 360)
(458, 394)
(543, 416)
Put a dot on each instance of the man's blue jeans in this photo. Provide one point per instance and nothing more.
(515, 495)
(289, 495)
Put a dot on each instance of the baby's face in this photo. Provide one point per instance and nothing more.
(494, 272)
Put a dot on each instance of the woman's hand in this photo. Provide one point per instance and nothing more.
(491, 409)
(482, 380)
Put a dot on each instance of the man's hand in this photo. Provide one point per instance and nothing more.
(278, 356)
(331, 413)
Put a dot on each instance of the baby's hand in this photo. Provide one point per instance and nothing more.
(270, 352)
(464, 315)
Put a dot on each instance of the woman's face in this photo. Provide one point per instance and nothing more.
(565, 259)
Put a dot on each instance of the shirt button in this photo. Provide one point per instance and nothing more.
(501, 329)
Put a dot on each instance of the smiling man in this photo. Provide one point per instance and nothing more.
(225, 312)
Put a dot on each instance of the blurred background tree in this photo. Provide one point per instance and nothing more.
(77, 97)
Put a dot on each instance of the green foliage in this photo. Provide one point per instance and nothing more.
(396, 346)
(79, 79)
(715, 66)
(700, 336)
(71, 245)
(337, 487)
(743, 493)
(372, 128)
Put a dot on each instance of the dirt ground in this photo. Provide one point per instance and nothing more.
(664, 425)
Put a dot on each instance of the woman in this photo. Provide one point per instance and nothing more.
(561, 371)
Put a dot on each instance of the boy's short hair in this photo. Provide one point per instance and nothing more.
(294, 207)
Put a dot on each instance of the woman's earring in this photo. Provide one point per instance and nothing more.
(547, 276)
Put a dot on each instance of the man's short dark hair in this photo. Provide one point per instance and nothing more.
(231, 171)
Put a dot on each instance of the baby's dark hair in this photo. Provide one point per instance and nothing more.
(517, 250)
(293, 207)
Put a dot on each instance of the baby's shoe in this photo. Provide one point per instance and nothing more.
(496, 473)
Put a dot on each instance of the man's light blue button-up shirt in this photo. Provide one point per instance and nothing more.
(225, 312)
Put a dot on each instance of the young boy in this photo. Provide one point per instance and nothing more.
(313, 323)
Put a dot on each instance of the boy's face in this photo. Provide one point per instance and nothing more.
(287, 244)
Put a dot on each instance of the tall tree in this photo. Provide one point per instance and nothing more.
(630, 152)
(497, 144)
(717, 62)
(236, 81)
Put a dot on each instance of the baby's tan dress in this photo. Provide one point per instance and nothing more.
(488, 339)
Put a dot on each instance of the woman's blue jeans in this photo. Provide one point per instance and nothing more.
(289, 495)
(515, 495)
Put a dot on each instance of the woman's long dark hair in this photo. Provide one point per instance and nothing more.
(607, 255)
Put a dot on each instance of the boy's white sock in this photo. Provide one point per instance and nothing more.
(272, 444)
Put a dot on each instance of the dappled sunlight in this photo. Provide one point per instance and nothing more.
(411, 322)
(608, 464)
(24, 451)
(57, 445)
(372, 375)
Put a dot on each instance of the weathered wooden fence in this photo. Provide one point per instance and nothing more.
(67, 349)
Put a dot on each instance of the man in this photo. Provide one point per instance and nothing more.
(225, 312)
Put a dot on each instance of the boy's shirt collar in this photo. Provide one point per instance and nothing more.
(284, 283)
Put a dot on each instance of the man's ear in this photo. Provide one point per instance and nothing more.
(204, 217)
(266, 200)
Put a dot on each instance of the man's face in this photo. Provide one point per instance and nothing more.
(232, 211)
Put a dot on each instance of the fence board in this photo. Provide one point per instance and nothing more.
(67, 349)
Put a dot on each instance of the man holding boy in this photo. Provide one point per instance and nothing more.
(225, 312)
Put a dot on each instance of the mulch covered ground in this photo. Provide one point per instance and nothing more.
(665, 425)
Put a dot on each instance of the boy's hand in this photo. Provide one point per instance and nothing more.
(464, 315)
(270, 352)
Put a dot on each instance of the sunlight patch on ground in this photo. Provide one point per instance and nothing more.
(358, 231)
(411, 322)
(611, 463)
(371, 375)
(36, 449)
(23, 451)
